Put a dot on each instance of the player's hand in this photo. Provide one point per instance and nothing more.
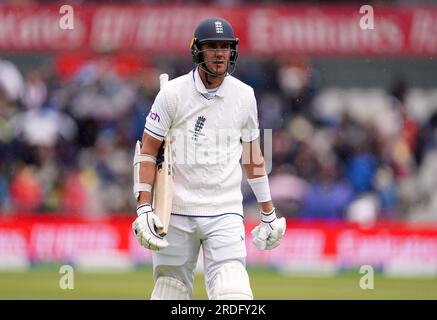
(269, 233)
(145, 226)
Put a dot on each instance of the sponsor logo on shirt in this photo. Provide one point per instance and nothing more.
(154, 116)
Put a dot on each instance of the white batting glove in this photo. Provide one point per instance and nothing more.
(144, 228)
(269, 233)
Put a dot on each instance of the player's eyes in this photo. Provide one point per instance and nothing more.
(218, 47)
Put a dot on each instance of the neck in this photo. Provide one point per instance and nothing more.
(210, 82)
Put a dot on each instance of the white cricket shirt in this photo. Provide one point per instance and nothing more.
(206, 130)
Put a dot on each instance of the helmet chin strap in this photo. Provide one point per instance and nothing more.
(210, 73)
(206, 78)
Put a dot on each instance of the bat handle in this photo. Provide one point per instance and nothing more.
(163, 78)
(160, 231)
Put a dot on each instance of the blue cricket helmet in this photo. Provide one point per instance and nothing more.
(214, 29)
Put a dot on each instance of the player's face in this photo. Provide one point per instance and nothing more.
(216, 55)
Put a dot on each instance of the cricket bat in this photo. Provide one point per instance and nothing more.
(163, 188)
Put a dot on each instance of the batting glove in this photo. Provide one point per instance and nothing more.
(145, 226)
(269, 233)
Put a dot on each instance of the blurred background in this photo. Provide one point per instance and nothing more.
(353, 114)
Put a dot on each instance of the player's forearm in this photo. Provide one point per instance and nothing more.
(149, 147)
(255, 170)
(147, 175)
(254, 165)
(253, 160)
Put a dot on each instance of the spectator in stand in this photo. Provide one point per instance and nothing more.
(11, 80)
(427, 139)
(26, 191)
(356, 147)
(299, 83)
(386, 188)
(403, 144)
(328, 196)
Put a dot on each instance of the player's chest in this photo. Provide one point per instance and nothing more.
(201, 114)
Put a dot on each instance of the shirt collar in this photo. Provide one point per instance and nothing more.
(221, 92)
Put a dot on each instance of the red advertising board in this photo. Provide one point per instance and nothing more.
(262, 29)
(319, 245)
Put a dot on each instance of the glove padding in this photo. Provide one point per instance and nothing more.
(144, 228)
(269, 233)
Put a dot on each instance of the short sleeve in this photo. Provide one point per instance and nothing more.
(250, 130)
(158, 120)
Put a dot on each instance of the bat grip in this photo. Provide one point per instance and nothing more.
(160, 231)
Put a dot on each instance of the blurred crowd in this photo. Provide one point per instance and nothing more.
(68, 130)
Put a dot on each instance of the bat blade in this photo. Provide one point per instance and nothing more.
(163, 189)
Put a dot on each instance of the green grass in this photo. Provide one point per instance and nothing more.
(43, 283)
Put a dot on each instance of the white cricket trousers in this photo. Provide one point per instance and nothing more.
(222, 240)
